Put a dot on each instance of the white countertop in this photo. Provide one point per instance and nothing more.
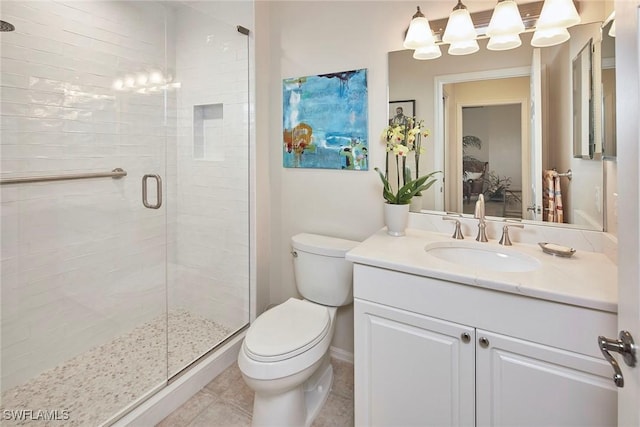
(587, 279)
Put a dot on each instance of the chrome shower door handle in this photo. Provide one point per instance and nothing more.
(145, 200)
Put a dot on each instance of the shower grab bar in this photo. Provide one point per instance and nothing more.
(117, 173)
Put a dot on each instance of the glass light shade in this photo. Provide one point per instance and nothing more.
(612, 30)
(459, 27)
(549, 37)
(558, 13)
(504, 42)
(419, 34)
(505, 20)
(465, 47)
(428, 52)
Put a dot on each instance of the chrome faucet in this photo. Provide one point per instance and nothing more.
(479, 215)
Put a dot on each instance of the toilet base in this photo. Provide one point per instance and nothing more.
(296, 407)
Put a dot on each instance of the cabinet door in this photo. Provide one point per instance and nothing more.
(519, 383)
(412, 370)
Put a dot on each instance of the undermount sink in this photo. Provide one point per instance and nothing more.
(480, 255)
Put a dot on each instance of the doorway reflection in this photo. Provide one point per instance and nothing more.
(492, 139)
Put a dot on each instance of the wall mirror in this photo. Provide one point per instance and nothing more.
(536, 84)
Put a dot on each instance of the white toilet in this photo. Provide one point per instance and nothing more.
(285, 355)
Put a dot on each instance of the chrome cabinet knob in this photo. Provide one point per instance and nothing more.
(465, 337)
(484, 342)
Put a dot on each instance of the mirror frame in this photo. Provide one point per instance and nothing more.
(608, 107)
(583, 103)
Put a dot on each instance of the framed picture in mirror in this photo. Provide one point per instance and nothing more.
(400, 110)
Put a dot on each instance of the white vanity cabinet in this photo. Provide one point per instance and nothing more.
(430, 352)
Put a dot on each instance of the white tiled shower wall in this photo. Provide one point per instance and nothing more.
(84, 261)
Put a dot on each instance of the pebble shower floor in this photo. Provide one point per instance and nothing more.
(92, 387)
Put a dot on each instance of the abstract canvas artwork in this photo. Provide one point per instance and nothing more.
(325, 121)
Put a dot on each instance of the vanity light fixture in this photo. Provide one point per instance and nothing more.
(419, 33)
(460, 32)
(549, 18)
(505, 26)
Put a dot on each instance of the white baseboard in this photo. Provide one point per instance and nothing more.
(175, 394)
(340, 354)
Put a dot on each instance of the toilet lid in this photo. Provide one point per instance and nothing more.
(287, 330)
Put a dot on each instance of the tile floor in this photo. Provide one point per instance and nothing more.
(96, 384)
(227, 401)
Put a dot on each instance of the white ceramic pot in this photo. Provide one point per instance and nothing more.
(416, 204)
(396, 218)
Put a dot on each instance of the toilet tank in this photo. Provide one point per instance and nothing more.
(322, 273)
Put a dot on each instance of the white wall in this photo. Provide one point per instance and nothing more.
(308, 38)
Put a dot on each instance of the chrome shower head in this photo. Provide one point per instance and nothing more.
(5, 26)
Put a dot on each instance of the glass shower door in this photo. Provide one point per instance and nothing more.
(84, 327)
(209, 184)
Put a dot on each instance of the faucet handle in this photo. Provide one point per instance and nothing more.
(457, 234)
(479, 209)
(505, 240)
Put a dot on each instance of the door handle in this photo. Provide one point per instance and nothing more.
(625, 346)
(145, 200)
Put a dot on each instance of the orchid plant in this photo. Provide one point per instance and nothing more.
(408, 190)
(401, 138)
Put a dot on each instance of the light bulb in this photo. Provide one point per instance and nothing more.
(156, 77)
(142, 78)
(118, 84)
(129, 81)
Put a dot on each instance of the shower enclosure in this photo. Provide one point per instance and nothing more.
(125, 200)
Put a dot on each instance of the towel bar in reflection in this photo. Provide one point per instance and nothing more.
(567, 174)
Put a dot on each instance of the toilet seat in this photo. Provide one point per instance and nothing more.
(287, 330)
